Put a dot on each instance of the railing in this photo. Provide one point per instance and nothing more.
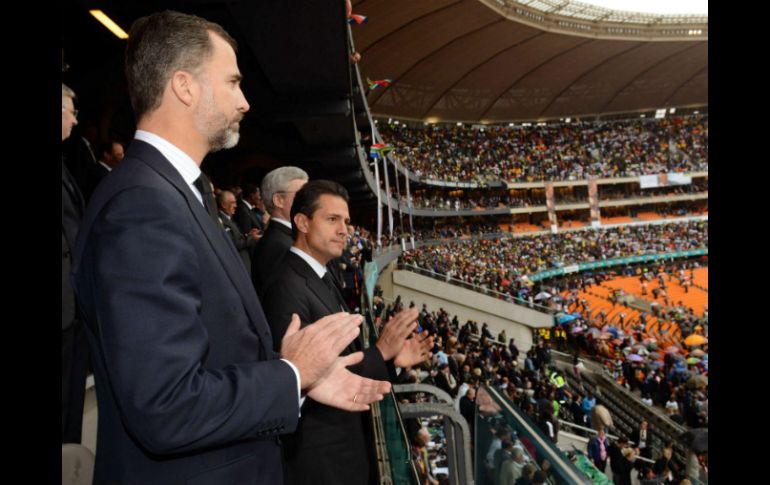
(456, 431)
(492, 405)
(391, 444)
(593, 432)
(463, 284)
(626, 408)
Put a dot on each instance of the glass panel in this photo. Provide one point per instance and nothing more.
(496, 415)
(401, 467)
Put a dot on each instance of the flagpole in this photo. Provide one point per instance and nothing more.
(387, 196)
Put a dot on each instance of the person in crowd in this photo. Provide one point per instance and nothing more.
(279, 187)
(244, 243)
(74, 346)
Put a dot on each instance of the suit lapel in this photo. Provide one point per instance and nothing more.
(322, 292)
(219, 241)
(315, 284)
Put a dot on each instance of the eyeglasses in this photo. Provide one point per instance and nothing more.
(73, 112)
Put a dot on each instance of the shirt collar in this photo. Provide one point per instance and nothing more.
(248, 206)
(181, 161)
(282, 221)
(319, 269)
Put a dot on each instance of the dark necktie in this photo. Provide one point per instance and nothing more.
(329, 280)
(204, 187)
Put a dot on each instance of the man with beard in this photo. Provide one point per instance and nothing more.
(189, 388)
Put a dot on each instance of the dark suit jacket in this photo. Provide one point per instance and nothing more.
(189, 388)
(443, 383)
(72, 207)
(243, 243)
(246, 218)
(268, 254)
(94, 175)
(329, 445)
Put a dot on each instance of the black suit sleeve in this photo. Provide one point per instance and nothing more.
(280, 301)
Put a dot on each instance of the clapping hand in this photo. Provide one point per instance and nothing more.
(415, 350)
(314, 349)
(395, 332)
(345, 390)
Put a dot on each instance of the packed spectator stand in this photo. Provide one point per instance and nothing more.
(574, 151)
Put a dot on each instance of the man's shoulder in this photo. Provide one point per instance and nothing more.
(290, 268)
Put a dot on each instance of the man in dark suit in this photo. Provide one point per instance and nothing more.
(330, 445)
(188, 386)
(244, 243)
(74, 346)
(111, 153)
(642, 438)
(248, 213)
(278, 189)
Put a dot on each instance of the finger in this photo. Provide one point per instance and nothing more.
(367, 398)
(345, 333)
(371, 386)
(351, 359)
(293, 325)
(407, 316)
(404, 328)
(346, 328)
(331, 320)
(353, 407)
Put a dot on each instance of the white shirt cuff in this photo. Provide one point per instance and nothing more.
(299, 391)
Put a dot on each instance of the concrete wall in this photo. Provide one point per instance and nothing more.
(517, 321)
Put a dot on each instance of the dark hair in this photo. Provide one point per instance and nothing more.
(248, 189)
(160, 44)
(106, 147)
(306, 199)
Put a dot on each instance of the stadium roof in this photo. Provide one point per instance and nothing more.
(528, 60)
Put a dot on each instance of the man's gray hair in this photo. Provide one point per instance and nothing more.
(278, 180)
(67, 92)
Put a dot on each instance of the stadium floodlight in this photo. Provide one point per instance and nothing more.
(459, 124)
(511, 125)
(660, 113)
(568, 120)
(672, 111)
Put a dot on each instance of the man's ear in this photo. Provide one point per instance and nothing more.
(277, 200)
(302, 222)
(184, 87)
